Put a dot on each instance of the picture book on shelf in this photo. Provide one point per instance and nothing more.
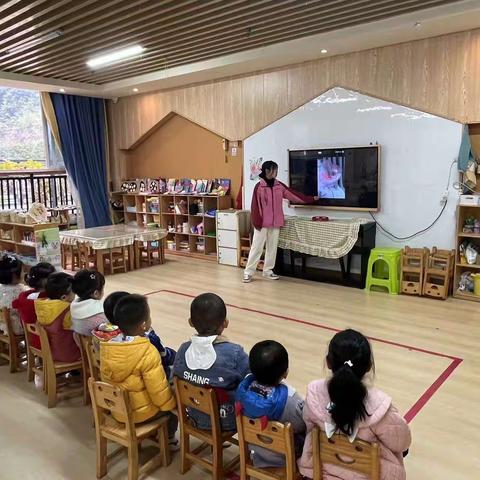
(162, 185)
(178, 186)
(171, 185)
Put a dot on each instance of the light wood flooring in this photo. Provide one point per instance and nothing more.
(426, 353)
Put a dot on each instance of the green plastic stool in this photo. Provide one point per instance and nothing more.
(385, 273)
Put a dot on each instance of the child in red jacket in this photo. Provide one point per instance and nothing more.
(36, 279)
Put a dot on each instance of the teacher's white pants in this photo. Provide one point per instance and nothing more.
(268, 236)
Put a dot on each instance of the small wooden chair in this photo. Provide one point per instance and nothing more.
(84, 344)
(56, 390)
(276, 437)
(70, 257)
(35, 363)
(108, 398)
(359, 456)
(205, 401)
(116, 259)
(86, 256)
(93, 357)
(12, 347)
(145, 253)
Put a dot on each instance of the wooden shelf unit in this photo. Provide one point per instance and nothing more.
(16, 244)
(138, 207)
(463, 212)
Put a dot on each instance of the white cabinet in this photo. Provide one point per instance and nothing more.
(231, 226)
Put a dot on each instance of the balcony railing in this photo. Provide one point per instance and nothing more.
(19, 189)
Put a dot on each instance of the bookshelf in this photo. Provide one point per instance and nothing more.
(464, 212)
(178, 214)
(20, 239)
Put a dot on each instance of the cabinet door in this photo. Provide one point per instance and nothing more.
(227, 221)
(227, 238)
(228, 256)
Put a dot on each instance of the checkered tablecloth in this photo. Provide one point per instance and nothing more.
(332, 239)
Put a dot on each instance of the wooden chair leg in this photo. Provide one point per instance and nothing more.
(163, 444)
(184, 449)
(133, 462)
(52, 389)
(217, 460)
(13, 353)
(86, 394)
(101, 456)
(30, 365)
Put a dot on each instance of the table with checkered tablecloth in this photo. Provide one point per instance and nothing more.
(332, 239)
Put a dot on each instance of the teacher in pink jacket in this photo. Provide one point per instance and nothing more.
(267, 218)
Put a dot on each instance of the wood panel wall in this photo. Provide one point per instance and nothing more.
(438, 75)
(180, 148)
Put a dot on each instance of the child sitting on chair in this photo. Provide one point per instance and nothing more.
(87, 308)
(10, 289)
(344, 404)
(36, 279)
(209, 359)
(132, 362)
(53, 313)
(263, 394)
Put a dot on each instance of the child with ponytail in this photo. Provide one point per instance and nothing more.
(344, 404)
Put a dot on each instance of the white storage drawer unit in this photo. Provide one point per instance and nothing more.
(231, 226)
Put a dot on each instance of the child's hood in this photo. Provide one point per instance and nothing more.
(120, 359)
(48, 311)
(86, 308)
(318, 399)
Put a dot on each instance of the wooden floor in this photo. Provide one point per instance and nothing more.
(426, 353)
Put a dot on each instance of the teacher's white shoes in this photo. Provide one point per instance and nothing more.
(247, 278)
(271, 276)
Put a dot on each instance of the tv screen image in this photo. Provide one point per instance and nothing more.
(340, 177)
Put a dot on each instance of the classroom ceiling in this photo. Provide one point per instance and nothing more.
(45, 44)
(54, 39)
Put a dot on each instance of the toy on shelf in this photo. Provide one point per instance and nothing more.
(413, 263)
(439, 273)
(468, 252)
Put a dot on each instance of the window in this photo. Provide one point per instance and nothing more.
(24, 135)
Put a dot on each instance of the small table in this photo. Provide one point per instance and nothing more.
(103, 239)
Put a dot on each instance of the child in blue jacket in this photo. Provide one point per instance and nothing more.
(209, 359)
(263, 394)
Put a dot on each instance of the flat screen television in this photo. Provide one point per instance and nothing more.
(342, 177)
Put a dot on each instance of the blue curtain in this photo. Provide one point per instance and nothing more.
(81, 124)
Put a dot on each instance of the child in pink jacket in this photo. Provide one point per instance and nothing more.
(343, 404)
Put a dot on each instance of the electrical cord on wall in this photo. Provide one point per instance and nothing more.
(423, 230)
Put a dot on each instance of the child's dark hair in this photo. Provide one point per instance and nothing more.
(86, 282)
(349, 358)
(10, 268)
(110, 303)
(37, 276)
(130, 311)
(58, 285)
(268, 165)
(268, 362)
(207, 313)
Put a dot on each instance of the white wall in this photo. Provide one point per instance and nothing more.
(417, 150)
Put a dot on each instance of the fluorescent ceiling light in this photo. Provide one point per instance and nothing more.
(323, 50)
(116, 56)
(36, 41)
(135, 89)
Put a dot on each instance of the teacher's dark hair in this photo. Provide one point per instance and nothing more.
(349, 358)
(268, 165)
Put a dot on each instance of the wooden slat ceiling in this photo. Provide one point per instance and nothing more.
(174, 32)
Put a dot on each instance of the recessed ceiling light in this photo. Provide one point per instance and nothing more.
(62, 90)
(116, 56)
(323, 50)
(135, 89)
(417, 25)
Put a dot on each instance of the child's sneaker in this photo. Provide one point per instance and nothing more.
(271, 276)
(247, 278)
(174, 444)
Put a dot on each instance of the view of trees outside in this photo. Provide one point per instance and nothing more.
(21, 130)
